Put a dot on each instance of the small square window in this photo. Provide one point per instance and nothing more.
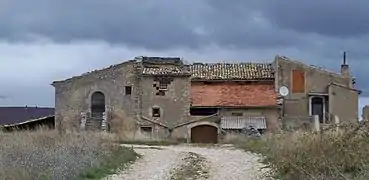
(128, 90)
(237, 114)
(155, 112)
(146, 129)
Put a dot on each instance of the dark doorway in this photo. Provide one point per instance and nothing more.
(97, 110)
(204, 134)
(317, 108)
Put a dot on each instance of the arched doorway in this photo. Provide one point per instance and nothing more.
(204, 134)
(97, 110)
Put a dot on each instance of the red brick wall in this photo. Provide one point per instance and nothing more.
(232, 94)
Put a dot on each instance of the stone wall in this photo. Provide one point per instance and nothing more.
(73, 96)
(317, 81)
(174, 104)
(124, 111)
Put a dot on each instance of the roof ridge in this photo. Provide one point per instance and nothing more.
(231, 63)
(317, 67)
(94, 71)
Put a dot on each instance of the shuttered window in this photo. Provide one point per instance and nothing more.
(298, 81)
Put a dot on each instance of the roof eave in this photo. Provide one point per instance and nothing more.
(241, 107)
(244, 80)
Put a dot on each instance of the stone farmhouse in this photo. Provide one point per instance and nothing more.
(162, 97)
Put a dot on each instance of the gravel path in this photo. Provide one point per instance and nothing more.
(155, 164)
(223, 162)
(229, 163)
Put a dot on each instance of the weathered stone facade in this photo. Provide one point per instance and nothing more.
(73, 96)
(126, 112)
(336, 91)
(153, 97)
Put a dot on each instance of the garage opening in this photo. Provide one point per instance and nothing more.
(204, 134)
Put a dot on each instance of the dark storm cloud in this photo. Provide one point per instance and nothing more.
(314, 31)
(339, 18)
(152, 24)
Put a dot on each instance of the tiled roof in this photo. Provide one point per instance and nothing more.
(11, 115)
(232, 71)
(166, 70)
(164, 66)
(233, 95)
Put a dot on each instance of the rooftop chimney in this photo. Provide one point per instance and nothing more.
(345, 70)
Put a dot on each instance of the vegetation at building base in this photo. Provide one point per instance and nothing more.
(326, 155)
(138, 138)
(151, 142)
(48, 155)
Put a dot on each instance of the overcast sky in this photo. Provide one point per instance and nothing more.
(46, 40)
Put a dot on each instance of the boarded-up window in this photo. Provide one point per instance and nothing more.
(298, 81)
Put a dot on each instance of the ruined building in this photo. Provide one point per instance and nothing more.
(161, 97)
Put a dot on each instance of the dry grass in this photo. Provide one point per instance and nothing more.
(48, 155)
(327, 155)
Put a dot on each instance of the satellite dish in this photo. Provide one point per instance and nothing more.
(283, 91)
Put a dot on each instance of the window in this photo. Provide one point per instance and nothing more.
(298, 81)
(237, 114)
(128, 90)
(203, 111)
(155, 112)
(146, 129)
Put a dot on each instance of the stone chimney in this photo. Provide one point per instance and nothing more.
(345, 69)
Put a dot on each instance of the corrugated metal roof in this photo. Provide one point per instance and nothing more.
(13, 115)
(242, 122)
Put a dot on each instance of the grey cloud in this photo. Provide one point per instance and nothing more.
(160, 25)
(315, 31)
(337, 18)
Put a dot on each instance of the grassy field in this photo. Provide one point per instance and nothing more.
(48, 155)
(327, 155)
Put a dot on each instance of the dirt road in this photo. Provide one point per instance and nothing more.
(191, 162)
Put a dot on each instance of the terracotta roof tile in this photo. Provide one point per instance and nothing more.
(166, 70)
(163, 66)
(232, 94)
(232, 71)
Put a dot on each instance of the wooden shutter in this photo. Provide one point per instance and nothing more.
(298, 81)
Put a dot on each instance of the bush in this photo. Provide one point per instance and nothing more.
(47, 155)
(326, 155)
